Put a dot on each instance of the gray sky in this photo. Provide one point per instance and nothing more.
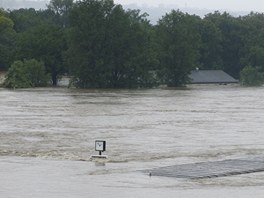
(226, 5)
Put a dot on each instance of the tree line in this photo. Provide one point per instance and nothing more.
(101, 45)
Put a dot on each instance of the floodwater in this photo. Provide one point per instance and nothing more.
(47, 137)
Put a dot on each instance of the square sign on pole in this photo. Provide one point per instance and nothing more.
(100, 145)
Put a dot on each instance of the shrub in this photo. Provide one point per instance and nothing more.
(26, 74)
(250, 76)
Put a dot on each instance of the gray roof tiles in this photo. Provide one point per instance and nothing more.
(210, 76)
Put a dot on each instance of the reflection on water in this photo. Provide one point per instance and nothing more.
(50, 127)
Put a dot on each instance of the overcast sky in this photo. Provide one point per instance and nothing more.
(226, 5)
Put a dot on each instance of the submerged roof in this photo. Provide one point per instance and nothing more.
(210, 76)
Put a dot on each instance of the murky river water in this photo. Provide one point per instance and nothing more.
(47, 136)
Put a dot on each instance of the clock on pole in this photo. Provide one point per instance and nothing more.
(100, 145)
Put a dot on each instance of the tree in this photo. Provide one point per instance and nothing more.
(40, 37)
(250, 76)
(108, 46)
(25, 19)
(26, 74)
(7, 40)
(211, 47)
(61, 8)
(253, 41)
(179, 44)
(232, 41)
(45, 42)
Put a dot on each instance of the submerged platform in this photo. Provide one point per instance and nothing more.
(211, 169)
(100, 158)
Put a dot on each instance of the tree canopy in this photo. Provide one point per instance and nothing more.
(179, 44)
(102, 45)
(108, 46)
(7, 40)
(40, 36)
(250, 76)
(25, 74)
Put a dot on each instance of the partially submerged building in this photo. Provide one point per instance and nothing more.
(210, 77)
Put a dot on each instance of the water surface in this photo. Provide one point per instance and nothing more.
(47, 136)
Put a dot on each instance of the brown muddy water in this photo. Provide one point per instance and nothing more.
(47, 136)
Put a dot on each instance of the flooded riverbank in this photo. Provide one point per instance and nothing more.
(47, 136)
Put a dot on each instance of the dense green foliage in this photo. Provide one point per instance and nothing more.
(40, 36)
(108, 46)
(46, 43)
(25, 74)
(61, 10)
(250, 76)
(7, 40)
(101, 45)
(179, 40)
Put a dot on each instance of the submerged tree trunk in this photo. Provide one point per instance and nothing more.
(54, 78)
